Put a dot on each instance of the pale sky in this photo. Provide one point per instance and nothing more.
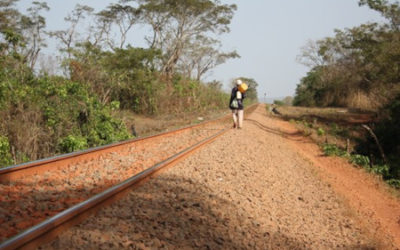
(267, 34)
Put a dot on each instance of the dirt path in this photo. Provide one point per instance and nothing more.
(249, 189)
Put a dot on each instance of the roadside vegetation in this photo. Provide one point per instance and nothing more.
(340, 132)
(78, 97)
(359, 69)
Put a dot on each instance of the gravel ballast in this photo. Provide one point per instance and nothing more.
(246, 190)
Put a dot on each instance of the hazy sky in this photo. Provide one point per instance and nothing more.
(267, 34)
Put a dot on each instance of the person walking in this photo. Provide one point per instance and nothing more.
(236, 105)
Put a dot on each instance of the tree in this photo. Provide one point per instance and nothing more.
(69, 37)
(176, 23)
(34, 25)
(309, 88)
(8, 14)
(200, 56)
(389, 11)
(10, 35)
(123, 16)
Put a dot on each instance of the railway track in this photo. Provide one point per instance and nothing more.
(42, 198)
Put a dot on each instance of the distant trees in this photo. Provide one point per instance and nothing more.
(359, 67)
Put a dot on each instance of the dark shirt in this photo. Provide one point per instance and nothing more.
(233, 96)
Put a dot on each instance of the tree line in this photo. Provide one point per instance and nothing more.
(69, 102)
(359, 68)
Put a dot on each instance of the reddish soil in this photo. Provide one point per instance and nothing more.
(262, 187)
(367, 194)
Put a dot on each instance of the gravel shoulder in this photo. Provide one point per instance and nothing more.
(249, 189)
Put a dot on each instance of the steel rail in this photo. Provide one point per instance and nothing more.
(50, 228)
(15, 172)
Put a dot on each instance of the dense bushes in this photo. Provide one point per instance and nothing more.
(46, 115)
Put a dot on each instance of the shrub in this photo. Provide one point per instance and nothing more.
(382, 170)
(360, 160)
(5, 156)
(72, 143)
(394, 183)
(333, 150)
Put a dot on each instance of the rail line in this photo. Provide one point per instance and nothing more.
(71, 212)
(16, 172)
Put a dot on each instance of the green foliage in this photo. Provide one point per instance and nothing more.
(72, 143)
(5, 155)
(382, 170)
(46, 109)
(394, 183)
(310, 89)
(333, 150)
(360, 160)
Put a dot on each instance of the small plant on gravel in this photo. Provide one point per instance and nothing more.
(320, 132)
